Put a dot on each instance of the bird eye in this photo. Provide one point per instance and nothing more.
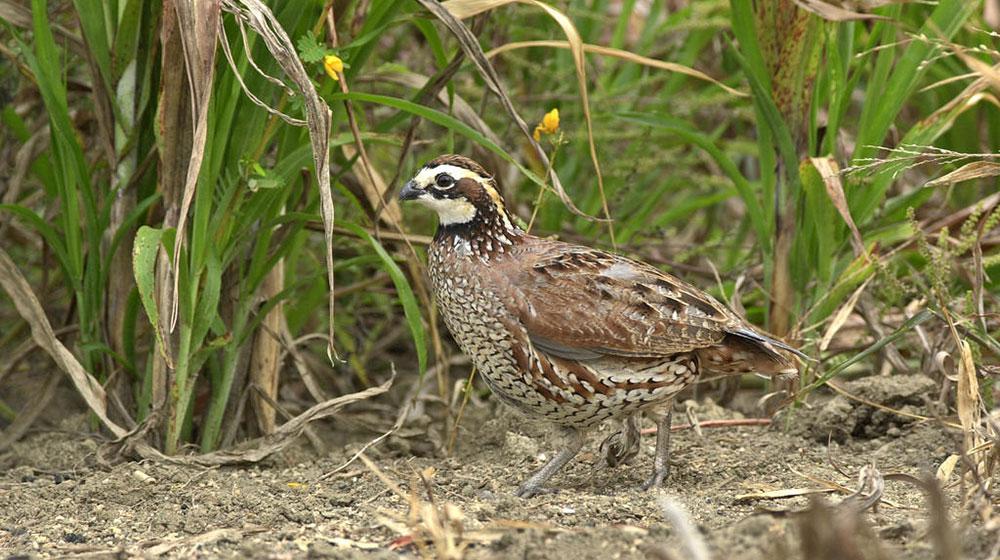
(444, 181)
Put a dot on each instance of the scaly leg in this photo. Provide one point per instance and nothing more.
(661, 463)
(536, 484)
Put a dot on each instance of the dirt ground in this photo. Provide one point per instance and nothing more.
(57, 500)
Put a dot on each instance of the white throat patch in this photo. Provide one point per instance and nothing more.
(450, 210)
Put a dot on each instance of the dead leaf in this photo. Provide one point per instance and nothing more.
(831, 12)
(967, 399)
(840, 317)
(946, 468)
(830, 172)
(782, 494)
(968, 172)
(27, 305)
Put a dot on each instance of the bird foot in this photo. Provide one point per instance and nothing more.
(620, 447)
(656, 479)
(527, 490)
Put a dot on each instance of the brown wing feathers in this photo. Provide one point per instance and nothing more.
(582, 304)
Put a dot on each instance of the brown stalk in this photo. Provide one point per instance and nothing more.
(198, 29)
(372, 183)
(265, 356)
(375, 189)
(176, 133)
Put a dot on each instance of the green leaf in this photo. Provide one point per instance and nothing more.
(144, 253)
(310, 49)
(754, 207)
(52, 238)
(410, 308)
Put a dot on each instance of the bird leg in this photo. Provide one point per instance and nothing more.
(535, 485)
(661, 463)
(620, 447)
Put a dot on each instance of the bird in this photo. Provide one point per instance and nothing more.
(571, 334)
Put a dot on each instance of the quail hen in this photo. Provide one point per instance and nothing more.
(571, 334)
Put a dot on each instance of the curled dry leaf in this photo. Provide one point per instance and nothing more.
(27, 305)
(946, 468)
(841, 316)
(968, 172)
(871, 485)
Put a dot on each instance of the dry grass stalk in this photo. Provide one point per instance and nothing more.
(198, 29)
(265, 356)
(623, 55)
(462, 9)
(434, 529)
(259, 17)
(692, 542)
(470, 45)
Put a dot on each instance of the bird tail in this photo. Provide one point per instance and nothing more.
(769, 343)
(748, 351)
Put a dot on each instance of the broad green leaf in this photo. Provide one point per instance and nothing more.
(145, 249)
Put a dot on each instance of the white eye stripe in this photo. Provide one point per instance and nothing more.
(428, 176)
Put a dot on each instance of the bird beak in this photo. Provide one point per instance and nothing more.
(410, 191)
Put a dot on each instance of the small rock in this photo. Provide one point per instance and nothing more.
(75, 538)
(143, 477)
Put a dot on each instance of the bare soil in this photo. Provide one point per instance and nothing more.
(56, 499)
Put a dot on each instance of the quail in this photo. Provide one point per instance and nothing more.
(571, 334)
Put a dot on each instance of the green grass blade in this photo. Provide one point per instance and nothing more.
(406, 297)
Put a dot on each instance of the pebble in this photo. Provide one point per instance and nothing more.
(143, 477)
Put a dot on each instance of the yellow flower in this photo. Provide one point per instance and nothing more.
(333, 66)
(549, 125)
(550, 122)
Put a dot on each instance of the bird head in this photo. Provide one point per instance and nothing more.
(460, 191)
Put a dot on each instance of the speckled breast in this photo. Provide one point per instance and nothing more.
(561, 391)
(475, 316)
